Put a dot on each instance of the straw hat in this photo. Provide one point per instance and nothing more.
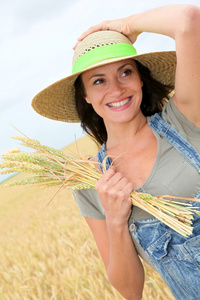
(57, 101)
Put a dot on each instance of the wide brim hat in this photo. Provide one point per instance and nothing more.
(57, 101)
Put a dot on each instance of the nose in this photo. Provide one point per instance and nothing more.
(116, 88)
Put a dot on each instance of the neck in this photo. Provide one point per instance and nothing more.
(125, 133)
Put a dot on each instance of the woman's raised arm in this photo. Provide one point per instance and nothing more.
(182, 23)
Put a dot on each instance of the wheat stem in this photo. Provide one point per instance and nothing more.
(53, 168)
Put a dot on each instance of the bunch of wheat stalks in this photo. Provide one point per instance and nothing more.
(53, 168)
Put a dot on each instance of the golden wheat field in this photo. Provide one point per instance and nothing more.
(48, 252)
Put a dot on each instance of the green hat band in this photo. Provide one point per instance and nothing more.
(101, 53)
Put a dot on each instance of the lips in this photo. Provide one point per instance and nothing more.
(119, 104)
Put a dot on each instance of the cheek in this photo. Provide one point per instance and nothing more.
(94, 97)
(88, 95)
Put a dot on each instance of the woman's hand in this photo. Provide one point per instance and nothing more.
(114, 192)
(124, 25)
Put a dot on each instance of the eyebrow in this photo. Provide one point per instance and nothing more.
(96, 75)
(121, 67)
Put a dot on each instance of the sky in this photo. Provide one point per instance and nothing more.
(36, 40)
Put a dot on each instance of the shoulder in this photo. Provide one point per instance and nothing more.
(89, 203)
(174, 116)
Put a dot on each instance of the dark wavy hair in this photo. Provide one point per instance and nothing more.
(155, 95)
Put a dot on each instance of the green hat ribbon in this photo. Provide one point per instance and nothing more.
(101, 53)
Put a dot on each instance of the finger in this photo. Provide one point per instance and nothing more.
(108, 174)
(74, 47)
(98, 27)
(129, 187)
(119, 182)
(104, 181)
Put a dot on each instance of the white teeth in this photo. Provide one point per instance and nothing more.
(120, 103)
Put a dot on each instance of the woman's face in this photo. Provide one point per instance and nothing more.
(114, 91)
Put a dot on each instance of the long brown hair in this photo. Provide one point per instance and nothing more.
(155, 95)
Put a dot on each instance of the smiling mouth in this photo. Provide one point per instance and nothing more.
(119, 103)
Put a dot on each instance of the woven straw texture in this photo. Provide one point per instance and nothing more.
(57, 101)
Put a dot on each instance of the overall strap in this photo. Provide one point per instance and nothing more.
(175, 139)
(101, 155)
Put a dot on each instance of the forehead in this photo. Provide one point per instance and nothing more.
(110, 67)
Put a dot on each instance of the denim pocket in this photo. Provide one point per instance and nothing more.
(183, 263)
(192, 247)
(159, 248)
(176, 258)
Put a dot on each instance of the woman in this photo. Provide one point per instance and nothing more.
(117, 95)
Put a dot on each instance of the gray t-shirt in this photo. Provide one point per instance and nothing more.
(171, 174)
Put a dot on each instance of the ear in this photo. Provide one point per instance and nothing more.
(141, 83)
(88, 100)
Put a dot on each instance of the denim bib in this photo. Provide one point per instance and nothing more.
(176, 258)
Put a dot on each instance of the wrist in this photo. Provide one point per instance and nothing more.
(134, 21)
(116, 227)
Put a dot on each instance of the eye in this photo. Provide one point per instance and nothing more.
(98, 81)
(127, 72)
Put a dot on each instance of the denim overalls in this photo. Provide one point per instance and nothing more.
(176, 258)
